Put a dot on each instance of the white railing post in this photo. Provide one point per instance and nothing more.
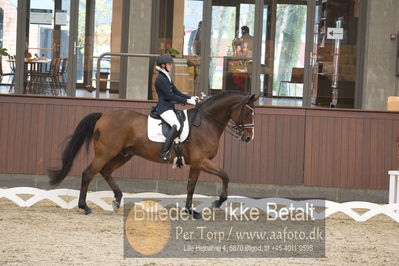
(393, 187)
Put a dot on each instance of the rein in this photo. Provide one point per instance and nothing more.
(236, 129)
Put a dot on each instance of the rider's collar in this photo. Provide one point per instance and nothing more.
(160, 69)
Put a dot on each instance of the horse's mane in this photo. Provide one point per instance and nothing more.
(215, 97)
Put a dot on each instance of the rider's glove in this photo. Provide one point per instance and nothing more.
(192, 100)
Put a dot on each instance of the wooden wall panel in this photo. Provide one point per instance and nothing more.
(292, 146)
(4, 117)
(275, 156)
(350, 148)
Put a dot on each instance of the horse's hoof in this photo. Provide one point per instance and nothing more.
(88, 211)
(216, 204)
(115, 205)
(219, 202)
(196, 215)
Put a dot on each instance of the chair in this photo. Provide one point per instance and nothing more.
(61, 80)
(50, 78)
(10, 74)
(12, 59)
(297, 75)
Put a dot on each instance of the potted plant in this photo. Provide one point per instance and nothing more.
(171, 51)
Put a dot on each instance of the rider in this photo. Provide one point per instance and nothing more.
(168, 94)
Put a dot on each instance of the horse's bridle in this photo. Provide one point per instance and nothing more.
(236, 130)
(243, 104)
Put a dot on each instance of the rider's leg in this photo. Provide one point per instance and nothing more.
(170, 118)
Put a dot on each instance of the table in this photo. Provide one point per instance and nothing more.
(237, 73)
(37, 65)
(31, 66)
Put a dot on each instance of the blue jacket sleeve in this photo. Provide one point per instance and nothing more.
(167, 90)
(176, 91)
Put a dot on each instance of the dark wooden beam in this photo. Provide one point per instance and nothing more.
(89, 43)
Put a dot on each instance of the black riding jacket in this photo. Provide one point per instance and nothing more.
(168, 94)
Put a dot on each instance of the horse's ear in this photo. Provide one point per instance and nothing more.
(253, 98)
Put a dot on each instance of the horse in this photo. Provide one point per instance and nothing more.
(119, 135)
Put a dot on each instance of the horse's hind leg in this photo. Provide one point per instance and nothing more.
(96, 165)
(107, 171)
(192, 181)
(209, 167)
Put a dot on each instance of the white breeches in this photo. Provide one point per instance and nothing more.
(170, 117)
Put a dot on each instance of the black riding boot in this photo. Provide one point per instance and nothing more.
(168, 143)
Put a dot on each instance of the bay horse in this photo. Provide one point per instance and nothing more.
(120, 134)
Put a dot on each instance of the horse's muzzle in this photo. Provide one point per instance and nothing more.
(245, 137)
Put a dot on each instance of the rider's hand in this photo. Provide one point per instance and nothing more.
(192, 100)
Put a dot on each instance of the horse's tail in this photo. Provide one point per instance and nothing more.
(83, 132)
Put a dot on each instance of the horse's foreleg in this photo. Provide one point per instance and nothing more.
(210, 167)
(87, 176)
(192, 181)
(107, 171)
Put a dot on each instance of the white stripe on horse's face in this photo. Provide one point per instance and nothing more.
(253, 122)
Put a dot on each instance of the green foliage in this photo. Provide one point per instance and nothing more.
(3, 51)
(172, 51)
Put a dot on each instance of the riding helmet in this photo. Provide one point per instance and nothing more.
(164, 59)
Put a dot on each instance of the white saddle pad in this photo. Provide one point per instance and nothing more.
(154, 129)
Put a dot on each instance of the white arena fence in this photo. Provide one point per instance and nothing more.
(329, 207)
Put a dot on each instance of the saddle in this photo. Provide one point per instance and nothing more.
(158, 129)
(181, 117)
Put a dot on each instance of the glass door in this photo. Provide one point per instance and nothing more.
(74, 46)
(231, 45)
(55, 41)
(267, 51)
(47, 53)
(190, 76)
(334, 56)
(99, 28)
(289, 52)
(8, 45)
